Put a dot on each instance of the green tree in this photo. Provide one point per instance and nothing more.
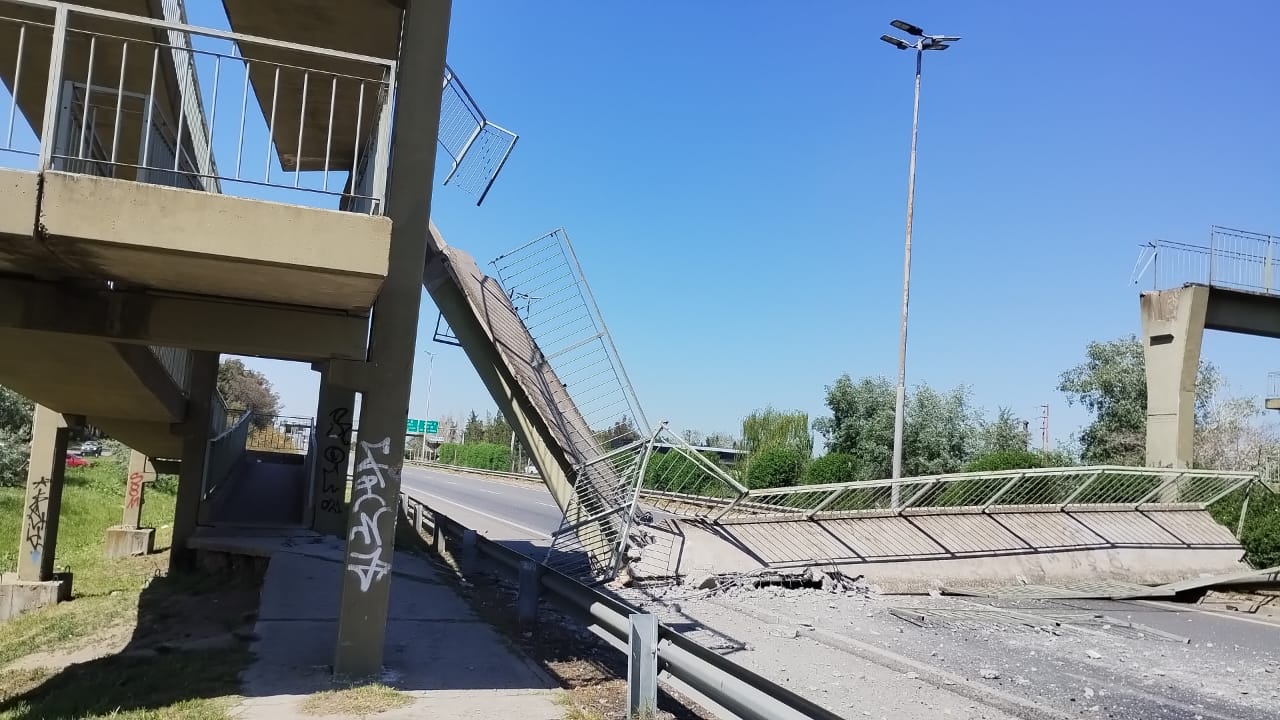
(779, 466)
(768, 428)
(939, 433)
(861, 422)
(15, 436)
(1004, 433)
(247, 391)
(1112, 385)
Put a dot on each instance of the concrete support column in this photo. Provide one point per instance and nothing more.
(141, 472)
(1172, 330)
(39, 539)
(129, 537)
(195, 446)
(334, 415)
(385, 378)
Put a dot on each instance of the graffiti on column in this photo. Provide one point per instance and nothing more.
(134, 497)
(37, 517)
(367, 507)
(335, 460)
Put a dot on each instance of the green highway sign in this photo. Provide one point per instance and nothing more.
(418, 426)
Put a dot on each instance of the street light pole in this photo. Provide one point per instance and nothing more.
(426, 410)
(922, 43)
(899, 408)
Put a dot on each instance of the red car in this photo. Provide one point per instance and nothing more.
(75, 461)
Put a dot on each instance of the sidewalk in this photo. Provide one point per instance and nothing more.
(437, 651)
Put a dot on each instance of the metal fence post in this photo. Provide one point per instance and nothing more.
(642, 666)
(527, 597)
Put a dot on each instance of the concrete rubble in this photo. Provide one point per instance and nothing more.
(834, 639)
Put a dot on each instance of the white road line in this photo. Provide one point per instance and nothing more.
(548, 505)
(536, 533)
(1212, 613)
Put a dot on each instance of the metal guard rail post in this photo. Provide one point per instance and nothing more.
(735, 688)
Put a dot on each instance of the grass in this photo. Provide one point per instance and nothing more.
(117, 602)
(574, 711)
(359, 700)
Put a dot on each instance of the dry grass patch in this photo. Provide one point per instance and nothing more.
(360, 700)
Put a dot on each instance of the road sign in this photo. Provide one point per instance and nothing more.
(415, 426)
(433, 427)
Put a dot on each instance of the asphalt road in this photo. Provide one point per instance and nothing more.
(498, 510)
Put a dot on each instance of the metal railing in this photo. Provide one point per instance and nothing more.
(1273, 384)
(546, 285)
(1045, 489)
(225, 452)
(478, 148)
(123, 101)
(743, 693)
(280, 433)
(585, 394)
(1233, 258)
(176, 362)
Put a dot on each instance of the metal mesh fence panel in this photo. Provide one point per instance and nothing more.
(477, 147)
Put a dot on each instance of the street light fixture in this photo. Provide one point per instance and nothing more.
(426, 410)
(923, 42)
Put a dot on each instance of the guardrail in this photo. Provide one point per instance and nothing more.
(117, 95)
(1233, 259)
(746, 694)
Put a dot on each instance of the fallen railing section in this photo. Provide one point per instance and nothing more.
(1102, 487)
(740, 691)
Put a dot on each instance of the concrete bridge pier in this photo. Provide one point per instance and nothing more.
(35, 584)
(129, 537)
(195, 447)
(384, 378)
(335, 410)
(1173, 323)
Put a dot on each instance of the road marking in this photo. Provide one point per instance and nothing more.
(1212, 613)
(536, 533)
(548, 504)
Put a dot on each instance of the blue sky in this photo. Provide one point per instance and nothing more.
(733, 175)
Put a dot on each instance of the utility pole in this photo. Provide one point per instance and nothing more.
(923, 42)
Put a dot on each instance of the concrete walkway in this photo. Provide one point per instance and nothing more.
(437, 651)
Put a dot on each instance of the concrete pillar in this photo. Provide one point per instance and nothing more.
(129, 537)
(141, 472)
(1172, 330)
(384, 379)
(39, 539)
(334, 415)
(195, 446)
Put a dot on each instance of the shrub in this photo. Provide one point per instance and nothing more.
(781, 466)
(1005, 460)
(483, 456)
(1261, 533)
(674, 471)
(836, 467)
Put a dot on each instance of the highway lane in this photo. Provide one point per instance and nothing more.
(498, 510)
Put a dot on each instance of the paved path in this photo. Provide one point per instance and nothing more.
(437, 650)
